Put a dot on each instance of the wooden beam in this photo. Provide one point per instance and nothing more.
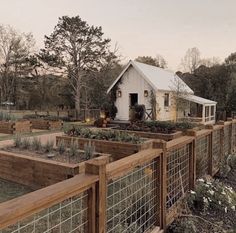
(98, 167)
(124, 165)
(22, 207)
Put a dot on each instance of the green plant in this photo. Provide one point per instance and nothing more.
(48, 147)
(36, 144)
(212, 195)
(17, 140)
(89, 150)
(73, 151)
(4, 116)
(232, 161)
(183, 225)
(226, 165)
(108, 135)
(61, 147)
(25, 143)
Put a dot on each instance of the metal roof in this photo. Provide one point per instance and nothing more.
(158, 78)
(198, 100)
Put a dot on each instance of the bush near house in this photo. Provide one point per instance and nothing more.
(159, 126)
(110, 135)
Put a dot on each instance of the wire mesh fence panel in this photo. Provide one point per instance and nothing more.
(178, 173)
(227, 140)
(202, 155)
(67, 216)
(131, 200)
(216, 150)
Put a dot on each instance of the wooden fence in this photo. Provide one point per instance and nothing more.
(142, 192)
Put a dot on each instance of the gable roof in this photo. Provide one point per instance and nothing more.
(158, 78)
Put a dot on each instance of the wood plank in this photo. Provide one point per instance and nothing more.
(127, 164)
(29, 204)
(179, 142)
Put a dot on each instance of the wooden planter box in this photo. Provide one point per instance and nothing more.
(23, 126)
(46, 124)
(117, 150)
(35, 172)
(163, 136)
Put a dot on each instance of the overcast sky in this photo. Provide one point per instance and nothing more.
(140, 27)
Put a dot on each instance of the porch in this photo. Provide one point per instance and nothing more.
(202, 110)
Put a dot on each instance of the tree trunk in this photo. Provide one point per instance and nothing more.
(77, 103)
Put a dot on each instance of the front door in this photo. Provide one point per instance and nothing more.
(133, 100)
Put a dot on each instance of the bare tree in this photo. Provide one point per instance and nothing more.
(179, 92)
(209, 62)
(191, 61)
(160, 61)
(15, 60)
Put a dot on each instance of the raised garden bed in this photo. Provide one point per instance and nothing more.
(163, 136)
(46, 124)
(13, 127)
(117, 150)
(157, 129)
(30, 163)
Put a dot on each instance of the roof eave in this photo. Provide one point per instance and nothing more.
(119, 77)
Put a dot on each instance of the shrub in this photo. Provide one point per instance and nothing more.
(52, 118)
(36, 144)
(181, 225)
(30, 116)
(17, 140)
(61, 147)
(212, 195)
(226, 164)
(89, 150)
(48, 147)
(25, 143)
(184, 125)
(232, 161)
(73, 151)
(108, 135)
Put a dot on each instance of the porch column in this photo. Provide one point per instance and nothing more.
(203, 113)
(214, 113)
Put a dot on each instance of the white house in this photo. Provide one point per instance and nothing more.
(140, 83)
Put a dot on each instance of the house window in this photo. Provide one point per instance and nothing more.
(207, 113)
(166, 100)
(213, 112)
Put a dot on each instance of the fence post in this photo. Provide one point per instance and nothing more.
(210, 161)
(222, 140)
(97, 166)
(193, 159)
(231, 135)
(192, 165)
(162, 181)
